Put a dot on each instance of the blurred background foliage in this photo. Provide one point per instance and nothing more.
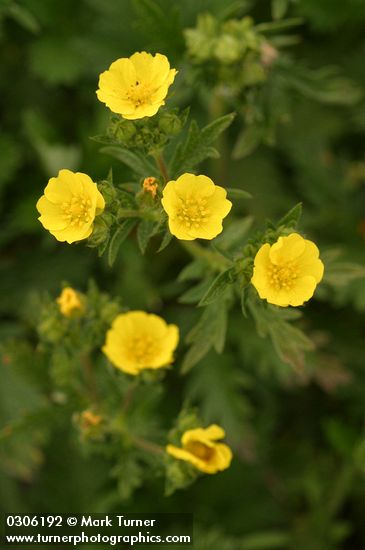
(298, 477)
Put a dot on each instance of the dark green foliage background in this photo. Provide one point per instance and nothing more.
(298, 477)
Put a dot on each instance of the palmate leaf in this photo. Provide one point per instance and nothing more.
(198, 145)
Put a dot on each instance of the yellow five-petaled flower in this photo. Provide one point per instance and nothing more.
(69, 206)
(200, 448)
(287, 273)
(136, 86)
(70, 302)
(139, 340)
(195, 207)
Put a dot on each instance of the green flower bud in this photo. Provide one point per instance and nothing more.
(170, 124)
(228, 49)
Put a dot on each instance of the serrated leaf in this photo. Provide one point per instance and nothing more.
(219, 286)
(198, 145)
(118, 237)
(135, 161)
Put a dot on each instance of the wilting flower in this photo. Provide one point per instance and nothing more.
(139, 340)
(195, 207)
(69, 206)
(200, 448)
(150, 185)
(69, 302)
(287, 273)
(136, 87)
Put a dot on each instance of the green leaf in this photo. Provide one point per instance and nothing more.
(219, 286)
(221, 329)
(118, 237)
(194, 270)
(209, 332)
(339, 273)
(248, 141)
(146, 229)
(135, 161)
(24, 17)
(276, 26)
(235, 193)
(197, 146)
(166, 239)
(194, 294)
(291, 219)
(233, 234)
(290, 342)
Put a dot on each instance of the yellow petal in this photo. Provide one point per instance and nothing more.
(57, 192)
(309, 262)
(192, 185)
(302, 291)
(71, 234)
(143, 65)
(218, 202)
(51, 215)
(142, 110)
(287, 249)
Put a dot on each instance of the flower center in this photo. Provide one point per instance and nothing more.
(139, 93)
(141, 349)
(193, 213)
(283, 276)
(77, 211)
(200, 450)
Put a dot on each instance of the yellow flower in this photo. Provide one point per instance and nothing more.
(287, 273)
(69, 206)
(139, 340)
(195, 207)
(201, 449)
(136, 87)
(69, 302)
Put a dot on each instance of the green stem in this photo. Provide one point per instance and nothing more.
(162, 167)
(148, 445)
